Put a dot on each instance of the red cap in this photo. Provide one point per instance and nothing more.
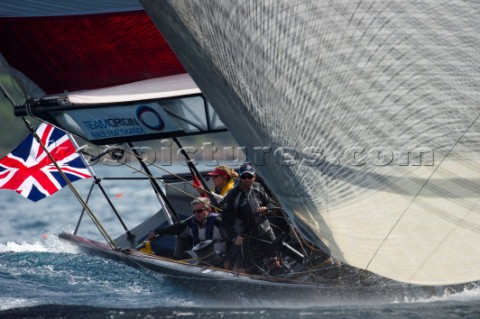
(218, 172)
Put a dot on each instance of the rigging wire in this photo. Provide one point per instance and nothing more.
(161, 181)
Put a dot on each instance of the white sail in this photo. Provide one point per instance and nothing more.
(387, 91)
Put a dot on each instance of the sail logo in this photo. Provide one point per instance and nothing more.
(113, 127)
(150, 118)
(110, 123)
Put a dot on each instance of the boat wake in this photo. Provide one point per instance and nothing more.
(470, 292)
(49, 243)
(22, 247)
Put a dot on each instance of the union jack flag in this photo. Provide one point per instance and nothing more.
(29, 171)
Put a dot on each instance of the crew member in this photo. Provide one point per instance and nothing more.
(245, 219)
(223, 181)
(202, 225)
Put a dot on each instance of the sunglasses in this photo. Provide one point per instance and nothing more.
(198, 211)
(246, 176)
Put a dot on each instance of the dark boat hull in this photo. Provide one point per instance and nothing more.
(230, 286)
(191, 276)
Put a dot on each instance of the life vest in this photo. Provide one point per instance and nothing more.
(226, 188)
(217, 198)
(208, 231)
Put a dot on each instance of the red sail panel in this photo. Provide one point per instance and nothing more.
(70, 53)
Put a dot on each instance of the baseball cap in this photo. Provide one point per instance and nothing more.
(246, 168)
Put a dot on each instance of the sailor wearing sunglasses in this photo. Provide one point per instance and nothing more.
(244, 217)
(203, 225)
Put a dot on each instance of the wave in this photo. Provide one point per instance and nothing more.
(50, 271)
(390, 311)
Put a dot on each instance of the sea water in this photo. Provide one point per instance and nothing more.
(44, 277)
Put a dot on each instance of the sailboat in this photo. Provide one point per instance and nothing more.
(117, 118)
(369, 160)
(155, 110)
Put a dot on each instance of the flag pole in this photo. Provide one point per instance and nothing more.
(97, 223)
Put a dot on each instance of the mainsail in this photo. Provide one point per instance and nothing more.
(370, 110)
